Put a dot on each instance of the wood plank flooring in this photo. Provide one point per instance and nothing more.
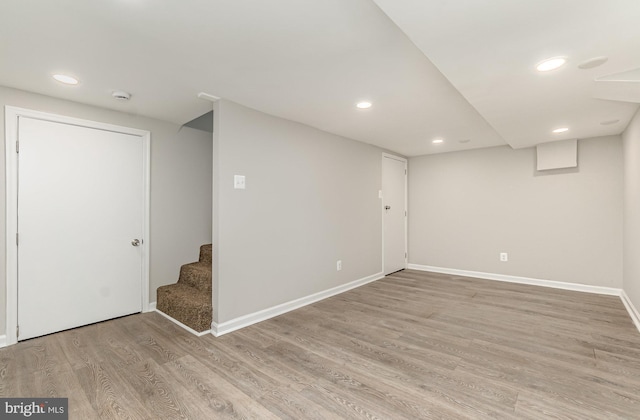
(413, 345)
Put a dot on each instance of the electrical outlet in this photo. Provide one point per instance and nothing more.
(504, 257)
(339, 265)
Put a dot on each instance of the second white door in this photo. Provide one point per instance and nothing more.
(80, 213)
(394, 178)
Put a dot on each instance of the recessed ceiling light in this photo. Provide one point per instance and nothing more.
(551, 64)
(593, 62)
(561, 130)
(437, 141)
(363, 105)
(67, 80)
(609, 122)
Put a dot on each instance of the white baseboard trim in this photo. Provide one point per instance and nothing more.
(3, 341)
(611, 291)
(633, 312)
(250, 319)
(180, 324)
(152, 307)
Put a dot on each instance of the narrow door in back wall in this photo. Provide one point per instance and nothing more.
(394, 189)
(80, 213)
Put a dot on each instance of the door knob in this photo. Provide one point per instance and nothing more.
(387, 207)
(135, 242)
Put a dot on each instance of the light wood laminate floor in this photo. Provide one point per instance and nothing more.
(413, 345)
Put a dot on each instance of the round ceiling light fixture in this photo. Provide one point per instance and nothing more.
(551, 64)
(363, 105)
(560, 130)
(66, 79)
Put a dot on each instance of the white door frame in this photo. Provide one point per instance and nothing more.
(406, 251)
(11, 162)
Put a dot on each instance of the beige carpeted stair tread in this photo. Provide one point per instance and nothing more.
(196, 275)
(186, 304)
(205, 253)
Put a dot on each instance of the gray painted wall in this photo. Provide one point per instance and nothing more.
(311, 199)
(180, 185)
(631, 140)
(467, 207)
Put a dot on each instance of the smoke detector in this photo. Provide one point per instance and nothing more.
(121, 95)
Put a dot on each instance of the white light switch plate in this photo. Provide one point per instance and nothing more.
(239, 182)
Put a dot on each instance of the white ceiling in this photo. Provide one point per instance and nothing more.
(457, 70)
(488, 49)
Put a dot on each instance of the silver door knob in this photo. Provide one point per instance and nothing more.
(135, 242)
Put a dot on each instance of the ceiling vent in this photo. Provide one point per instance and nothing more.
(121, 95)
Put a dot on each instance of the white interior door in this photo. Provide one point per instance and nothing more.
(394, 176)
(81, 203)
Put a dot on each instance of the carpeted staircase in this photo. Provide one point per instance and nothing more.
(189, 300)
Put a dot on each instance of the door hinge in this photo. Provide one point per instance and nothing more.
(17, 331)
(16, 238)
(17, 146)
(405, 213)
(405, 255)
